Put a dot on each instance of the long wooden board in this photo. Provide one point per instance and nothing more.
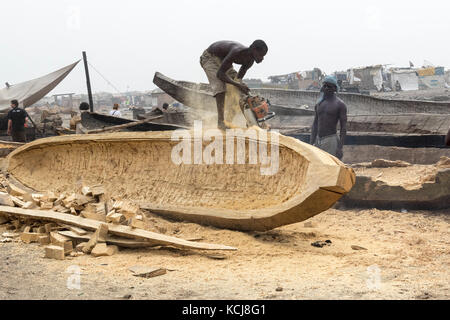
(121, 242)
(123, 231)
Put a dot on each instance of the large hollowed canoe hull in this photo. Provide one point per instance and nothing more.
(142, 167)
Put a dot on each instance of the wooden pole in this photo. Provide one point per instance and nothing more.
(123, 126)
(88, 82)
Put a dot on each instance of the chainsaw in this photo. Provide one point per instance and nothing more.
(256, 110)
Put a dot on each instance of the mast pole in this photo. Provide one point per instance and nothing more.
(88, 82)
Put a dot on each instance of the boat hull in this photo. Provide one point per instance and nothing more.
(92, 121)
(143, 167)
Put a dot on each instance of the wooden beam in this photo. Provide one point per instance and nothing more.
(121, 242)
(123, 231)
(123, 126)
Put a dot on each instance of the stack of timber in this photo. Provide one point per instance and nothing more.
(86, 222)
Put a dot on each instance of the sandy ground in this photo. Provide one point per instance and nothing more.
(407, 257)
(410, 177)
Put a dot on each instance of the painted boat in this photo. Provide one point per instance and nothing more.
(297, 182)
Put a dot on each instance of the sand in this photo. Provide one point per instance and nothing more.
(411, 177)
(409, 251)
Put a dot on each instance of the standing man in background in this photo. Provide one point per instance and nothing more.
(329, 111)
(16, 122)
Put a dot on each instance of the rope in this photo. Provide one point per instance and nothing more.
(104, 78)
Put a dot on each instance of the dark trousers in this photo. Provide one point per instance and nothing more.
(19, 136)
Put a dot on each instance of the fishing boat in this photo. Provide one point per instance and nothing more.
(199, 96)
(182, 118)
(93, 121)
(295, 182)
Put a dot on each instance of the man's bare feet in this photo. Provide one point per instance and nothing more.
(221, 126)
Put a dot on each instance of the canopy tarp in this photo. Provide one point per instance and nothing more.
(29, 92)
(407, 78)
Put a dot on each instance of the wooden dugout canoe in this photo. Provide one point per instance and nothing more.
(138, 166)
(92, 121)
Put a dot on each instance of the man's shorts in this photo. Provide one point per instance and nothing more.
(211, 64)
(19, 136)
(328, 144)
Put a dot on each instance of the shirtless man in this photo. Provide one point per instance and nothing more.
(329, 111)
(217, 61)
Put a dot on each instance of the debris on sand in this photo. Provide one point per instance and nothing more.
(382, 163)
(358, 248)
(309, 224)
(321, 244)
(147, 272)
(217, 256)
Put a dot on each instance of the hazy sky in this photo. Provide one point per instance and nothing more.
(127, 41)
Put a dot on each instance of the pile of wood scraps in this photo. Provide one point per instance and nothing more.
(87, 222)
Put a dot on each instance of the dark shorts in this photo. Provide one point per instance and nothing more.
(19, 136)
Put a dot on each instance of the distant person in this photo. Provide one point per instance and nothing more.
(16, 122)
(217, 62)
(328, 112)
(115, 111)
(79, 128)
(447, 138)
(398, 86)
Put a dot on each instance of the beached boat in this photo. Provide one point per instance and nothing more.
(93, 120)
(200, 97)
(296, 182)
(182, 118)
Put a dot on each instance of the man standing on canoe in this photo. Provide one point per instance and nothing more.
(329, 111)
(217, 61)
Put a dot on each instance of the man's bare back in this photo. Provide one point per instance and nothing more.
(233, 52)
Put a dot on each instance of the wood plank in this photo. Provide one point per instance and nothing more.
(121, 242)
(123, 231)
(76, 230)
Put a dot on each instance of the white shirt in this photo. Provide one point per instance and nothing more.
(115, 113)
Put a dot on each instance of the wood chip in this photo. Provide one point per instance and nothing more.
(358, 248)
(147, 272)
